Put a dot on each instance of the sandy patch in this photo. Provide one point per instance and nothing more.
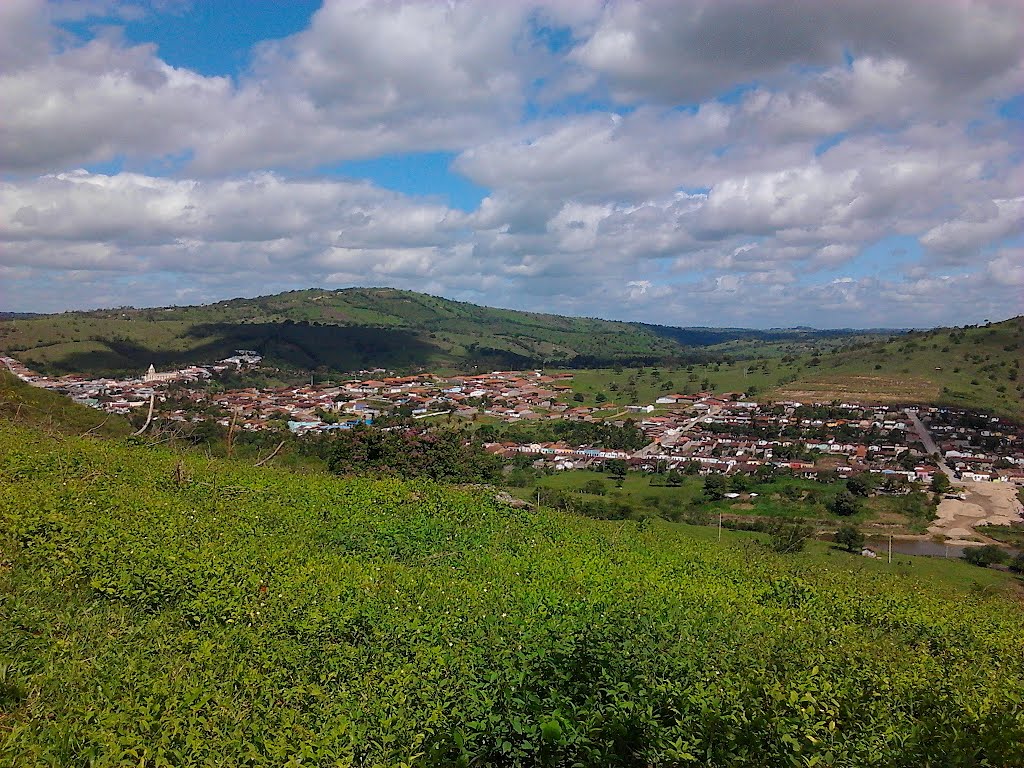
(986, 504)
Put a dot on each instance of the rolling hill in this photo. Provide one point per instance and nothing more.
(972, 367)
(357, 328)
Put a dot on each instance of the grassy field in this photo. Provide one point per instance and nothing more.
(649, 494)
(164, 609)
(644, 385)
(336, 330)
(361, 328)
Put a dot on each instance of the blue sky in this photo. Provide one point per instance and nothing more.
(710, 163)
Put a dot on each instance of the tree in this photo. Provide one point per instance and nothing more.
(844, 504)
(601, 397)
(616, 467)
(595, 487)
(940, 483)
(789, 537)
(984, 556)
(858, 486)
(715, 487)
(850, 538)
(674, 478)
(578, 397)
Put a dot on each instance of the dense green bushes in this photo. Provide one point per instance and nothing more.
(441, 455)
(207, 613)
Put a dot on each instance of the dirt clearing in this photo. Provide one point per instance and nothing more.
(986, 504)
(861, 388)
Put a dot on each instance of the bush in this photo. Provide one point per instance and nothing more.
(984, 556)
(850, 538)
(844, 504)
(789, 537)
(715, 487)
(859, 486)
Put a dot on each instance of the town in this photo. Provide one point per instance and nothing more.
(698, 433)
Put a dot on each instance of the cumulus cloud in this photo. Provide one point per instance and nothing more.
(685, 162)
(688, 52)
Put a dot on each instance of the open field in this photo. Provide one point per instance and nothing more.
(976, 367)
(355, 328)
(786, 498)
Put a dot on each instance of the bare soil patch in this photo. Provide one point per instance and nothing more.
(861, 388)
(985, 504)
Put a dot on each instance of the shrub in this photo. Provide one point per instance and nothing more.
(984, 556)
(844, 504)
(850, 538)
(789, 537)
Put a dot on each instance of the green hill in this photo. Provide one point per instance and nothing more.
(171, 610)
(974, 367)
(50, 411)
(352, 329)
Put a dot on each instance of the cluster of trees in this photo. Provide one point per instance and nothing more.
(601, 508)
(990, 554)
(441, 455)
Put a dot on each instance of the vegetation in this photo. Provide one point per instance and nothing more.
(976, 367)
(850, 538)
(985, 556)
(167, 609)
(53, 412)
(440, 455)
(355, 328)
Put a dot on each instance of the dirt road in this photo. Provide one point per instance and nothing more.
(929, 443)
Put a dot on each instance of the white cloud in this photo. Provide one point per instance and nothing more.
(702, 162)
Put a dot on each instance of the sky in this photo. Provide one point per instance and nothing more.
(685, 162)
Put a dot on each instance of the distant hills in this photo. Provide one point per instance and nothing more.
(972, 367)
(356, 328)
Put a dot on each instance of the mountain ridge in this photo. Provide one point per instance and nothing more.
(352, 328)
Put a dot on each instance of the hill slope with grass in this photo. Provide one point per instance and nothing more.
(350, 329)
(166, 609)
(975, 367)
(49, 411)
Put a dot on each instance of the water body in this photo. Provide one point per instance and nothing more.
(923, 547)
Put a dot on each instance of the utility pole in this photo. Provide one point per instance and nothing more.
(890, 548)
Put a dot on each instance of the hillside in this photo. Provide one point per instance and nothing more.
(50, 411)
(352, 329)
(974, 367)
(161, 609)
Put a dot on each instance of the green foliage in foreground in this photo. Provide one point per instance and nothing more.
(437, 455)
(163, 610)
